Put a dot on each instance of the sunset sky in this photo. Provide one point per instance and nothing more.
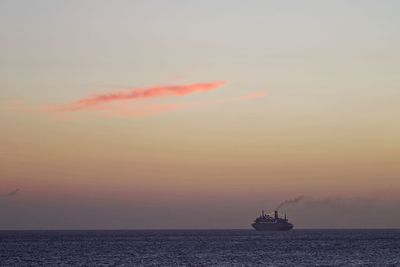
(198, 114)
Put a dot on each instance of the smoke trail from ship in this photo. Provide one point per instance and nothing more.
(290, 202)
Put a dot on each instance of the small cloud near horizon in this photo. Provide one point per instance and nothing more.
(12, 193)
(115, 104)
(137, 93)
(111, 102)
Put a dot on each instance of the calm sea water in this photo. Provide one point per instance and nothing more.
(201, 248)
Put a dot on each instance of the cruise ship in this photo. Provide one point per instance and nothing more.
(266, 222)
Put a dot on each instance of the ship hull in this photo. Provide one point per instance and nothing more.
(272, 226)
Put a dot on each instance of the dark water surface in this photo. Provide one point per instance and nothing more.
(201, 248)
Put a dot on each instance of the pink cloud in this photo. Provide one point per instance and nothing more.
(138, 93)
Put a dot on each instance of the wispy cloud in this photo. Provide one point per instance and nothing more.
(137, 93)
(12, 193)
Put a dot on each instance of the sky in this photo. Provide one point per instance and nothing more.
(199, 114)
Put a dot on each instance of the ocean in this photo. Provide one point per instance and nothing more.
(200, 248)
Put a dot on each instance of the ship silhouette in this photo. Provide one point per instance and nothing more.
(266, 222)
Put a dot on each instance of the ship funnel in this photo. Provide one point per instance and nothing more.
(276, 214)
